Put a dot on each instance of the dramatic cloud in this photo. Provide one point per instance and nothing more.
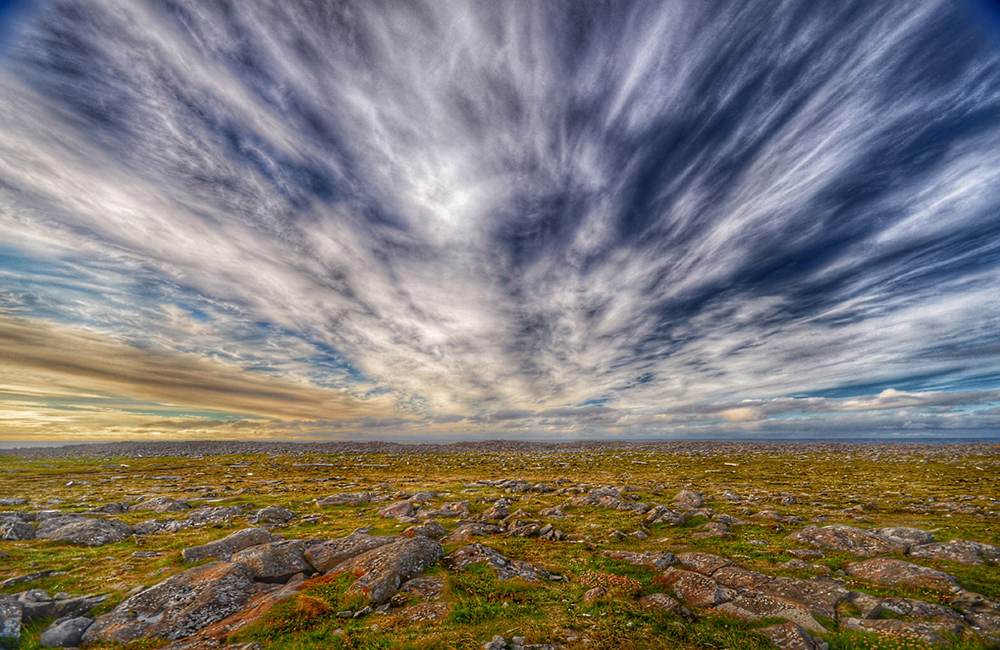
(465, 219)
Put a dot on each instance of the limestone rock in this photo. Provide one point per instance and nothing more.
(887, 571)
(847, 538)
(37, 604)
(331, 553)
(275, 561)
(755, 606)
(958, 550)
(90, 532)
(160, 504)
(704, 563)
(651, 560)
(272, 515)
(223, 549)
(383, 570)
(790, 636)
(65, 632)
(687, 500)
(698, 590)
(505, 568)
(665, 602)
(905, 535)
(346, 499)
(926, 632)
(10, 617)
(16, 531)
(178, 607)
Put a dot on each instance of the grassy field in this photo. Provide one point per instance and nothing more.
(864, 489)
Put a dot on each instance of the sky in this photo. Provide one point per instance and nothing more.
(440, 220)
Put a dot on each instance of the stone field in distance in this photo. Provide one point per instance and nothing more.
(501, 545)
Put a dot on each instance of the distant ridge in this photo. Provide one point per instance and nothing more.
(685, 447)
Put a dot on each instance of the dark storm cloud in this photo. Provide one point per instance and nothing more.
(485, 213)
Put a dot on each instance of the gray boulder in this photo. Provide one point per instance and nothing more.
(16, 531)
(905, 535)
(275, 561)
(10, 617)
(65, 632)
(37, 603)
(160, 504)
(381, 571)
(178, 607)
(90, 532)
(839, 537)
(505, 568)
(273, 515)
(331, 553)
(223, 549)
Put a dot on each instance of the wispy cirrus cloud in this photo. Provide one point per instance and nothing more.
(449, 218)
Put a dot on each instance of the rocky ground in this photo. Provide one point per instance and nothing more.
(500, 545)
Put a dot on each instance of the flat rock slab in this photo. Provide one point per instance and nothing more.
(958, 550)
(346, 499)
(424, 612)
(839, 537)
(926, 632)
(664, 602)
(329, 554)
(89, 532)
(737, 577)
(905, 535)
(424, 587)
(180, 606)
(913, 608)
(754, 607)
(383, 570)
(16, 531)
(275, 561)
(37, 604)
(887, 571)
(790, 636)
(650, 560)
(506, 569)
(698, 590)
(223, 549)
(272, 515)
(704, 563)
(820, 597)
(160, 504)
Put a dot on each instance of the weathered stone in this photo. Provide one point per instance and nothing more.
(926, 632)
(847, 538)
(10, 617)
(424, 587)
(756, 606)
(921, 609)
(16, 531)
(424, 612)
(398, 510)
(347, 499)
(870, 606)
(887, 571)
(275, 561)
(223, 549)
(29, 577)
(664, 602)
(178, 607)
(650, 560)
(272, 515)
(664, 515)
(431, 529)
(446, 511)
(90, 532)
(37, 604)
(905, 535)
(958, 550)
(698, 590)
(790, 636)
(468, 530)
(704, 563)
(505, 568)
(381, 571)
(592, 596)
(688, 500)
(736, 577)
(65, 632)
(327, 555)
(160, 504)
(207, 515)
(820, 597)
(712, 529)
